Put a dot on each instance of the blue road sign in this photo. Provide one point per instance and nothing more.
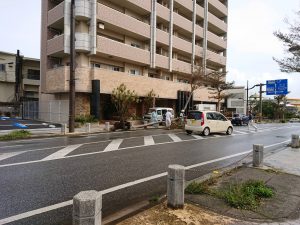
(277, 87)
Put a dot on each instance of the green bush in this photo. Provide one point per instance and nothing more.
(85, 119)
(16, 134)
(246, 195)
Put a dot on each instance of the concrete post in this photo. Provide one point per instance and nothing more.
(63, 129)
(88, 128)
(295, 141)
(145, 123)
(87, 206)
(258, 155)
(175, 187)
(107, 126)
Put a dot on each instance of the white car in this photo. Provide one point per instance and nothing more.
(294, 120)
(207, 122)
(160, 111)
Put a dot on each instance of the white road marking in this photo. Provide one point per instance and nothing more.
(11, 146)
(62, 153)
(9, 155)
(174, 137)
(240, 132)
(114, 145)
(148, 140)
(216, 135)
(197, 137)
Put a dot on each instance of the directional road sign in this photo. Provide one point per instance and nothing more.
(277, 87)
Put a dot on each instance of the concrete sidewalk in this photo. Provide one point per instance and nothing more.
(281, 172)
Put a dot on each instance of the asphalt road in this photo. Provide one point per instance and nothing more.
(37, 174)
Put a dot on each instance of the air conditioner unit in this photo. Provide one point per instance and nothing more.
(101, 25)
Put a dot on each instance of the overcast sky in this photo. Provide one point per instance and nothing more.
(251, 43)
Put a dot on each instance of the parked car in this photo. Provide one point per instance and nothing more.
(239, 119)
(160, 111)
(207, 122)
(294, 120)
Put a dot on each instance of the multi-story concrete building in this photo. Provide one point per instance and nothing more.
(28, 84)
(145, 44)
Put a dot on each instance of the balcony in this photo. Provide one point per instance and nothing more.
(55, 45)
(163, 12)
(217, 22)
(162, 37)
(211, 56)
(27, 81)
(162, 61)
(122, 51)
(182, 45)
(182, 67)
(185, 4)
(183, 23)
(122, 21)
(146, 5)
(219, 7)
(56, 14)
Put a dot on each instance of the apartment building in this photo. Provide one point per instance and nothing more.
(27, 85)
(145, 44)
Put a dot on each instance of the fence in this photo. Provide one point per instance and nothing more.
(54, 111)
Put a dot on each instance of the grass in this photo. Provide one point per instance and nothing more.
(154, 199)
(246, 195)
(16, 134)
(195, 188)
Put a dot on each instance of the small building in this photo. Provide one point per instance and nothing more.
(16, 89)
(236, 100)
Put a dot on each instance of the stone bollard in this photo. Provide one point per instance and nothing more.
(175, 187)
(87, 207)
(258, 155)
(63, 128)
(145, 123)
(295, 141)
(107, 126)
(88, 128)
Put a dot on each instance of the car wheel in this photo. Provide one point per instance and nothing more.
(189, 131)
(206, 131)
(229, 131)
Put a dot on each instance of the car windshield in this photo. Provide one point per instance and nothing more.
(195, 115)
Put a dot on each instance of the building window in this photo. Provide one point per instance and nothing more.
(115, 68)
(33, 74)
(135, 45)
(96, 65)
(167, 78)
(135, 72)
(2, 67)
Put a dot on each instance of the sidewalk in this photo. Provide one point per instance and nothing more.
(281, 172)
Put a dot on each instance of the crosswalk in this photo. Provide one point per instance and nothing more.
(55, 153)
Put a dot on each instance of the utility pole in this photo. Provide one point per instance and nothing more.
(260, 101)
(247, 100)
(18, 82)
(72, 71)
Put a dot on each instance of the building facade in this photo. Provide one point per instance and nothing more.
(145, 44)
(236, 102)
(27, 87)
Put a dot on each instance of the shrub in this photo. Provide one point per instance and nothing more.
(16, 134)
(85, 119)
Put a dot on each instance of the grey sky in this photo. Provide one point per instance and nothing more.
(251, 44)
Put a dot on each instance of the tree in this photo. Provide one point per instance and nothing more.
(291, 42)
(149, 100)
(122, 99)
(268, 109)
(217, 81)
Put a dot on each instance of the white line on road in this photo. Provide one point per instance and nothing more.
(148, 140)
(114, 145)
(197, 137)
(174, 138)
(240, 132)
(62, 153)
(8, 155)
(11, 146)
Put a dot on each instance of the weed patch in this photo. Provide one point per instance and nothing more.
(16, 134)
(245, 195)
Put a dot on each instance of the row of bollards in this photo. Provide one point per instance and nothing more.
(64, 128)
(87, 205)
